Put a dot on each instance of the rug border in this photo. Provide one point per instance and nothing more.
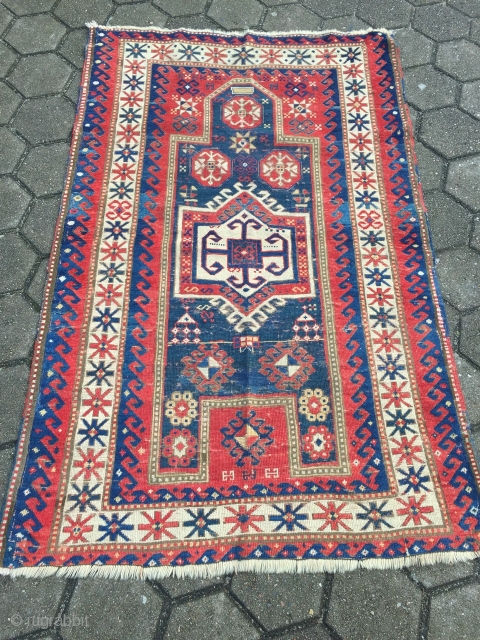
(235, 566)
(128, 572)
(19, 461)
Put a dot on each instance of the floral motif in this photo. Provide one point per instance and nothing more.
(181, 408)
(318, 442)
(314, 404)
(280, 169)
(243, 142)
(242, 113)
(210, 167)
(180, 446)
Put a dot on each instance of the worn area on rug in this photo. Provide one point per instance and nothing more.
(243, 361)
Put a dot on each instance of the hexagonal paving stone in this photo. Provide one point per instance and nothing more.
(470, 7)
(291, 18)
(463, 182)
(40, 223)
(470, 336)
(28, 7)
(11, 149)
(476, 234)
(37, 285)
(73, 90)
(7, 58)
(274, 3)
(453, 321)
(449, 222)
(236, 15)
(40, 74)
(33, 34)
(73, 47)
(415, 49)
(475, 440)
(191, 22)
(428, 88)
(17, 260)
(45, 119)
(6, 465)
(470, 100)
(430, 167)
(140, 15)
(438, 574)
(470, 383)
(459, 273)
(374, 604)
(13, 203)
(13, 388)
(75, 14)
(130, 611)
(278, 600)
(180, 586)
(18, 325)
(460, 59)
(183, 8)
(475, 31)
(455, 614)
(345, 23)
(9, 102)
(441, 23)
(330, 9)
(5, 18)
(314, 632)
(414, 115)
(24, 596)
(44, 169)
(451, 132)
(389, 14)
(210, 617)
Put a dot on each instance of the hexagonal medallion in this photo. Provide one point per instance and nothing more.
(242, 113)
(211, 167)
(280, 169)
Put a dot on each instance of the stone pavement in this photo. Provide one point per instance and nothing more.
(41, 54)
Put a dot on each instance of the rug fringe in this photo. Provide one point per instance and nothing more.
(217, 32)
(128, 572)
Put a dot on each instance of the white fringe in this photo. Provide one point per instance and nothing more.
(362, 32)
(128, 572)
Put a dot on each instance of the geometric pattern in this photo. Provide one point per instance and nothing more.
(246, 259)
(228, 190)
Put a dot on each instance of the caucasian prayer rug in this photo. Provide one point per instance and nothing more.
(243, 361)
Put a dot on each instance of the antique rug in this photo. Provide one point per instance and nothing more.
(243, 361)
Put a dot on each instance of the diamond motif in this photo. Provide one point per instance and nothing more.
(288, 367)
(208, 367)
(246, 437)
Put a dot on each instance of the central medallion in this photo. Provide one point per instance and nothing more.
(242, 263)
(246, 253)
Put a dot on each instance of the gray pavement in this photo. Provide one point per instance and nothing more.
(41, 53)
